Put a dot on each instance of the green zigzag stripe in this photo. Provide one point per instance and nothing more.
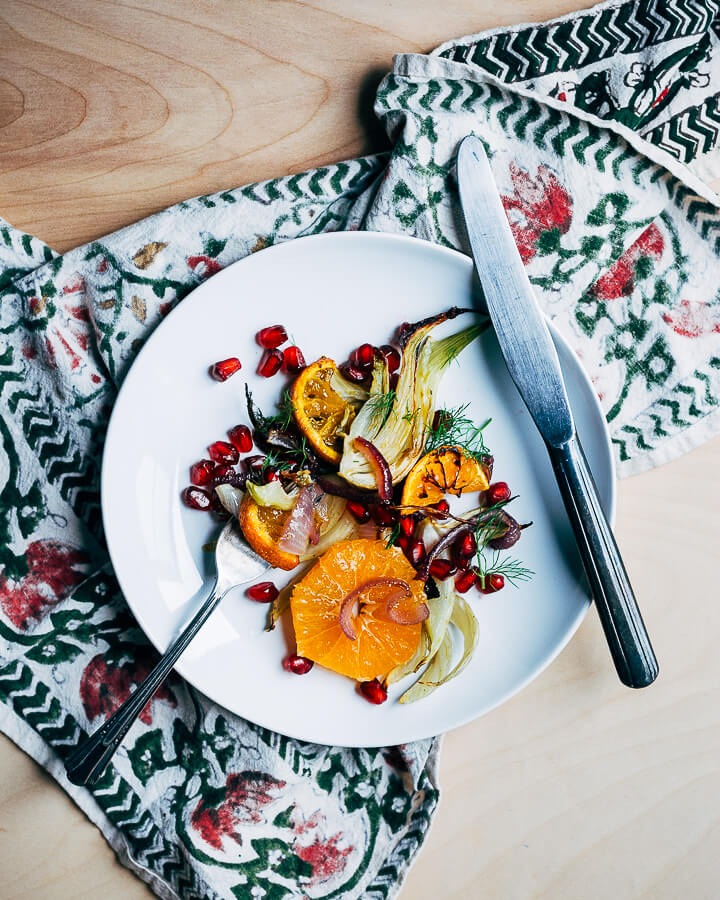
(31, 700)
(692, 132)
(669, 416)
(562, 46)
(347, 178)
(565, 134)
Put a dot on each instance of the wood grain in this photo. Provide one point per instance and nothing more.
(577, 789)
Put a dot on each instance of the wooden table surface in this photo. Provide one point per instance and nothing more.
(577, 789)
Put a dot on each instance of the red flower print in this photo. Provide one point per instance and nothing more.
(320, 852)
(203, 265)
(240, 802)
(692, 318)
(537, 205)
(54, 569)
(325, 857)
(76, 284)
(104, 687)
(619, 280)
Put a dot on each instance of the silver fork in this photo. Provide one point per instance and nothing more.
(236, 564)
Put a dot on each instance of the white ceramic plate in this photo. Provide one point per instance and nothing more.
(332, 292)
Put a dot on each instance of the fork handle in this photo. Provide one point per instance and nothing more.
(622, 623)
(87, 763)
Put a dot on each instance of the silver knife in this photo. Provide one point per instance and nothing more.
(533, 364)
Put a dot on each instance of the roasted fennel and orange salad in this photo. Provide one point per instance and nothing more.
(353, 485)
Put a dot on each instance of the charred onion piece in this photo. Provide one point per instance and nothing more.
(282, 439)
(379, 466)
(446, 541)
(414, 617)
(338, 487)
(511, 534)
(346, 607)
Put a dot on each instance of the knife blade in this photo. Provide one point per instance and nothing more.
(533, 364)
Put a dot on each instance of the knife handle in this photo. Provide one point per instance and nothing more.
(624, 629)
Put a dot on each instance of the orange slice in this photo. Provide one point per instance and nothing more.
(380, 644)
(262, 527)
(321, 412)
(447, 470)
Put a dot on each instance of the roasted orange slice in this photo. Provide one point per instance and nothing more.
(447, 470)
(262, 527)
(358, 580)
(320, 412)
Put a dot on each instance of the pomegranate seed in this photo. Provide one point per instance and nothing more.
(262, 592)
(270, 363)
(498, 492)
(407, 525)
(442, 568)
(353, 373)
(416, 552)
(253, 464)
(383, 515)
(361, 513)
(467, 546)
(373, 691)
(223, 369)
(241, 438)
(271, 337)
(222, 452)
(493, 583)
(271, 475)
(443, 507)
(293, 359)
(298, 665)
(392, 357)
(200, 472)
(464, 581)
(196, 498)
(404, 543)
(363, 357)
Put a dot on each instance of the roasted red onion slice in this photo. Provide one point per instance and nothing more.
(379, 466)
(338, 487)
(414, 616)
(299, 526)
(395, 615)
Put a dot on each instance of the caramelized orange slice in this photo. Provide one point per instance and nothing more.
(320, 412)
(370, 572)
(447, 470)
(262, 527)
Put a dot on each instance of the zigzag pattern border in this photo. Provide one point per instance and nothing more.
(548, 128)
(690, 401)
(585, 39)
(32, 702)
(694, 131)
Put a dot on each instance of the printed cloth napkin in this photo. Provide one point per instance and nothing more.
(603, 131)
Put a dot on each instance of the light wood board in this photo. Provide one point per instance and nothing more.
(577, 789)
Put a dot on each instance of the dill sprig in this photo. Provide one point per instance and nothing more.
(453, 427)
(491, 561)
(393, 536)
(381, 404)
(510, 568)
(283, 418)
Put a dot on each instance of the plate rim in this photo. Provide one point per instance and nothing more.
(341, 237)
